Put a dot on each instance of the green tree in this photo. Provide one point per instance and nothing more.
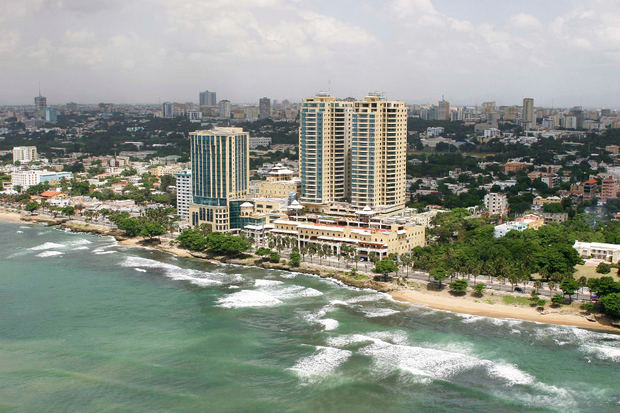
(478, 289)
(385, 266)
(263, 252)
(557, 300)
(294, 259)
(611, 304)
(603, 268)
(192, 239)
(31, 206)
(439, 274)
(569, 286)
(274, 257)
(603, 286)
(68, 210)
(458, 286)
(130, 225)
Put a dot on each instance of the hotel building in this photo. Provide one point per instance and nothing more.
(184, 193)
(220, 177)
(353, 151)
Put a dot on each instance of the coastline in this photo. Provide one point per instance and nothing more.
(439, 300)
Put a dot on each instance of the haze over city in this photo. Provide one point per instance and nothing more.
(562, 53)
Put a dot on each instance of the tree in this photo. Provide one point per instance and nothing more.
(192, 239)
(68, 210)
(166, 181)
(611, 304)
(229, 245)
(152, 229)
(130, 225)
(603, 268)
(129, 171)
(263, 252)
(31, 206)
(385, 266)
(439, 274)
(569, 286)
(458, 286)
(18, 188)
(603, 286)
(274, 257)
(478, 289)
(294, 259)
(557, 300)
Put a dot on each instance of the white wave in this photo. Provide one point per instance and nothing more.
(47, 246)
(391, 353)
(379, 312)
(248, 298)
(79, 242)
(602, 352)
(174, 272)
(328, 323)
(49, 254)
(19, 232)
(233, 287)
(103, 252)
(140, 269)
(288, 275)
(24, 227)
(80, 248)
(322, 363)
(266, 283)
(603, 346)
(510, 373)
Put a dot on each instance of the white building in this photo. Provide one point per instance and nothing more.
(492, 133)
(599, 250)
(25, 154)
(432, 132)
(184, 193)
(496, 204)
(26, 179)
(256, 141)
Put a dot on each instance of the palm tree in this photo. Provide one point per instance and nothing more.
(303, 251)
(537, 285)
(583, 281)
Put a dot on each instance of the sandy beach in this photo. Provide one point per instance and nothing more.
(440, 300)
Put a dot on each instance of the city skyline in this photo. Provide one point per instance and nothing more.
(562, 53)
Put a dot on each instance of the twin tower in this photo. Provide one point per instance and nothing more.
(353, 151)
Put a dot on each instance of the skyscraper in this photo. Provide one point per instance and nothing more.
(207, 98)
(40, 103)
(50, 115)
(220, 177)
(264, 108)
(324, 137)
(184, 193)
(379, 154)
(353, 150)
(443, 110)
(528, 112)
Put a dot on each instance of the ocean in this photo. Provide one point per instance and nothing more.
(87, 325)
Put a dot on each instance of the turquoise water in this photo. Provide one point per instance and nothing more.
(90, 326)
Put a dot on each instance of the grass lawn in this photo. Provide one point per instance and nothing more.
(510, 300)
(589, 271)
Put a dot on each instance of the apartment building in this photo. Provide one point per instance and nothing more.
(184, 193)
(496, 204)
(25, 154)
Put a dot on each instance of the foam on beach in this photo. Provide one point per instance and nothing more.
(47, 246)
(267, 293)
(323, 362)
(46, 254)
(196, 277)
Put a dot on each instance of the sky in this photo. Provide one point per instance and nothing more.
(560, 52)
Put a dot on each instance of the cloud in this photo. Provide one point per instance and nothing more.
(524, 21)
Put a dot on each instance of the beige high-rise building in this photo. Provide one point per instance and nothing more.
(528, 117)
(220, 177)
(353, 151)
(379, 154)
(25, 154)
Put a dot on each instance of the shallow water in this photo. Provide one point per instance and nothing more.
(87, 325)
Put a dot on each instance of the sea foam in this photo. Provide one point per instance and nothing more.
(323, 362)
(200, 278)
(45, 254)
(47, 246)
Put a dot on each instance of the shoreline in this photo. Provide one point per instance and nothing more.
(438, 300)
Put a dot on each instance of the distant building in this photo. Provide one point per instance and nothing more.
(443, 110)
(520, 224)
(256, 141)
(590, 189)
(609, 189)
(528, 117)
(25, 154)
(184, 193)
(225, 108)
(516, 166)
(496, 204)
(26, 179)
(492, 133)
(167, 109)
(432, 132)
(207, 98)
(264, 108)
(40, 103)
(50, 115)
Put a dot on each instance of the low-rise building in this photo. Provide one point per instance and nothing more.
(598, 250)
(520, 224)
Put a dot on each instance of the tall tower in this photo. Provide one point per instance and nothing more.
(528, 112)
(207, 98)
(40, 102)
(379, 154)
(443, 110)
(220, 176)
(264, 108)
(324, 137)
